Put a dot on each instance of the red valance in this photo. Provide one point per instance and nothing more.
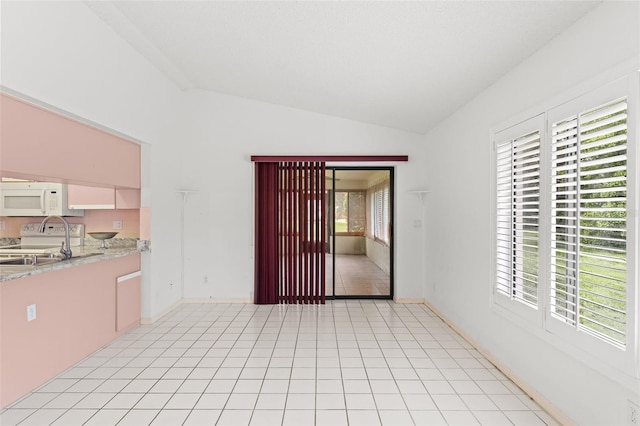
(328, 158)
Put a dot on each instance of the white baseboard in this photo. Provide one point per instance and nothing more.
(209, 300)
(165, 311)
(550, 408)
(147, 320)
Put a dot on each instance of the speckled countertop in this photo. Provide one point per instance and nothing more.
(12, 272)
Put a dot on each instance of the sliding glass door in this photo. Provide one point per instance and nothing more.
(359, 228)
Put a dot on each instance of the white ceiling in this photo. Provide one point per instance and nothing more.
(405, 65)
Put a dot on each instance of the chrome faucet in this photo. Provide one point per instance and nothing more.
(66, 245)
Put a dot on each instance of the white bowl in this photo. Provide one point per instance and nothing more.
(103, 235)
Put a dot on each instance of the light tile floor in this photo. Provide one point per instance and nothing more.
(346, 362)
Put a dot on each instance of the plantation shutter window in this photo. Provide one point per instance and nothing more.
(567, 231)
(589, 221)
(384, 226)
(379, 208)
(518, 214)
(381, 212)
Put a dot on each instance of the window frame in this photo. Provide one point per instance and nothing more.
(620, 364)
(364, 213)
(580, 338)
(524, 311)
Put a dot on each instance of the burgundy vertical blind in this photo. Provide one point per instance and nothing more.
(266, 236)
(290, 232)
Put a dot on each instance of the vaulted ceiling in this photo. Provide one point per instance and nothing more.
(405, 65)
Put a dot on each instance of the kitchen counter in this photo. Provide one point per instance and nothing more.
(11, 272)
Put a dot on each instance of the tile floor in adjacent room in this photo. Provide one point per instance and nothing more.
(357, 275)
(343, 363)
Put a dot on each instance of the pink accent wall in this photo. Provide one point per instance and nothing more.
(94, 220)
(12, 226)
(102, 220)
(76, 315)
(60, 148)
(145, 223)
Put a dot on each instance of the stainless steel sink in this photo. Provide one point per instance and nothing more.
(31, 260)
(39, 259)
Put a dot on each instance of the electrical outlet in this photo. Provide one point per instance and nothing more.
(633, 413)
(1, 225)
(31, 312)
(117, 224)
(205, 279)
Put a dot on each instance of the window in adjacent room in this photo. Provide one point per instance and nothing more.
(350, 214)
(380, 212)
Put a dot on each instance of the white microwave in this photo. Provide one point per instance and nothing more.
(35, 199)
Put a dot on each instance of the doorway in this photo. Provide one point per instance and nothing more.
(359, 261)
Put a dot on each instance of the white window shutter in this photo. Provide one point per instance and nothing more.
(588, 221)
(518, 217)
(381, 212)
(564, 166)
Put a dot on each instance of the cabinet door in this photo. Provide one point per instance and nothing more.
(128, 300)
(90, 197)
(127, 198)
(96, 198)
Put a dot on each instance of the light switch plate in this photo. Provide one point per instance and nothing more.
(633, 413)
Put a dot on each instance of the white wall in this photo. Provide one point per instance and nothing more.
(459, 258)
(61, 54)
(221, 135)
